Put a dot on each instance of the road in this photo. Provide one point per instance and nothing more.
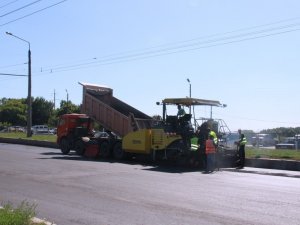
(70, 190)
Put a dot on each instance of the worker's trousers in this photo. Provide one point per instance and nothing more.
(210, 165)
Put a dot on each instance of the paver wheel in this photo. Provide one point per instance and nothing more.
(79, 147)
(105, 150)
(118, 151)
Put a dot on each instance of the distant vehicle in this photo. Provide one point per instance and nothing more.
(289, 143)
(15, 129)
(40, 129)
(4, 130)
(263, 140)
(53, 130)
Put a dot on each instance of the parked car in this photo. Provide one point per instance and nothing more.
(15, 129)
(40, 129)
(53, 130)
(4, 130)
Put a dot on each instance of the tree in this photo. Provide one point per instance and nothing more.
(13, 111)
(67, 107)
(41, 110)
(157, 117)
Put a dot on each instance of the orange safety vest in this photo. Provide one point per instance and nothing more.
(210, 147)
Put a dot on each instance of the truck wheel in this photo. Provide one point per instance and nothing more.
(79, 147)
(118, 151)
(105, 150)
(64, 146)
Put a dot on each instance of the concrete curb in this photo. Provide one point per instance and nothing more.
(278, 164)
(29, 142)
(257, 163)
(37, 220)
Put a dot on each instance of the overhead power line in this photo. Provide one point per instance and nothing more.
(93, 59)
(30, 14)
(19, 64)
(7, 4)
(258, 120)
(237, 36)
(181, 48)
(23, 7)
(14, 75)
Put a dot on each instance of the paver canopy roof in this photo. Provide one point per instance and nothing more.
(191, 101)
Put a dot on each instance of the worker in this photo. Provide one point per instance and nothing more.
(241, 146)
(217, 156)
(202, 134)
(214, 135)
(180, 112)
(210, 150)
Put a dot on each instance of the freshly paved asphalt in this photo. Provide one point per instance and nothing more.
(70, 190)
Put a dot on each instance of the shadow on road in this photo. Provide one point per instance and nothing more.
(159, 166)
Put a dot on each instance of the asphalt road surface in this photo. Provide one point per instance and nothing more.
(70, 190)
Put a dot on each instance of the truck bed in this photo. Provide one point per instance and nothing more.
(111, 113)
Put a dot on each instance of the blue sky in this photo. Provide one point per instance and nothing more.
(243, 53)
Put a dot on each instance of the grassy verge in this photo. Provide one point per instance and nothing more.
(21, 135)
(289, 154)
(21, 215)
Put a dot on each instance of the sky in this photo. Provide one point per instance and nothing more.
(244, 54)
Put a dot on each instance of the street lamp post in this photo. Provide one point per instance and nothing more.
(29, 101)
(190, 85)
(67, 101)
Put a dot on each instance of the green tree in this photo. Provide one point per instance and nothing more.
(53, 119)
(67, 107)
(13, 111)
(157, 117)
(41, 111)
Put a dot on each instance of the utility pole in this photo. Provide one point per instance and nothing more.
(29, 100)
(67, 101)
(54, 99)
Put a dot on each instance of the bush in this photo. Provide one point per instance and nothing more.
(21, 215)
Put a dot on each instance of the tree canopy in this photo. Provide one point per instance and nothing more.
(13, 112)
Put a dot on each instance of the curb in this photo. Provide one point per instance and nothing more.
(37, 220)
(29, 142)
(278, 164)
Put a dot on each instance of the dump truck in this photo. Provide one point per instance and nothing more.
(131, 131)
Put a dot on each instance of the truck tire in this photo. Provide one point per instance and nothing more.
(65, 146)
(105, 150)
(79, 147)
(118, 151)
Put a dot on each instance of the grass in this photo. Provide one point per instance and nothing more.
(21, 215)
(21, 135)
(289, 154)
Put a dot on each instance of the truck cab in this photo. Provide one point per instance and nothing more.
(70, 130)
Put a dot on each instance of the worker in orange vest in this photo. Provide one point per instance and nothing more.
(210, 150)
